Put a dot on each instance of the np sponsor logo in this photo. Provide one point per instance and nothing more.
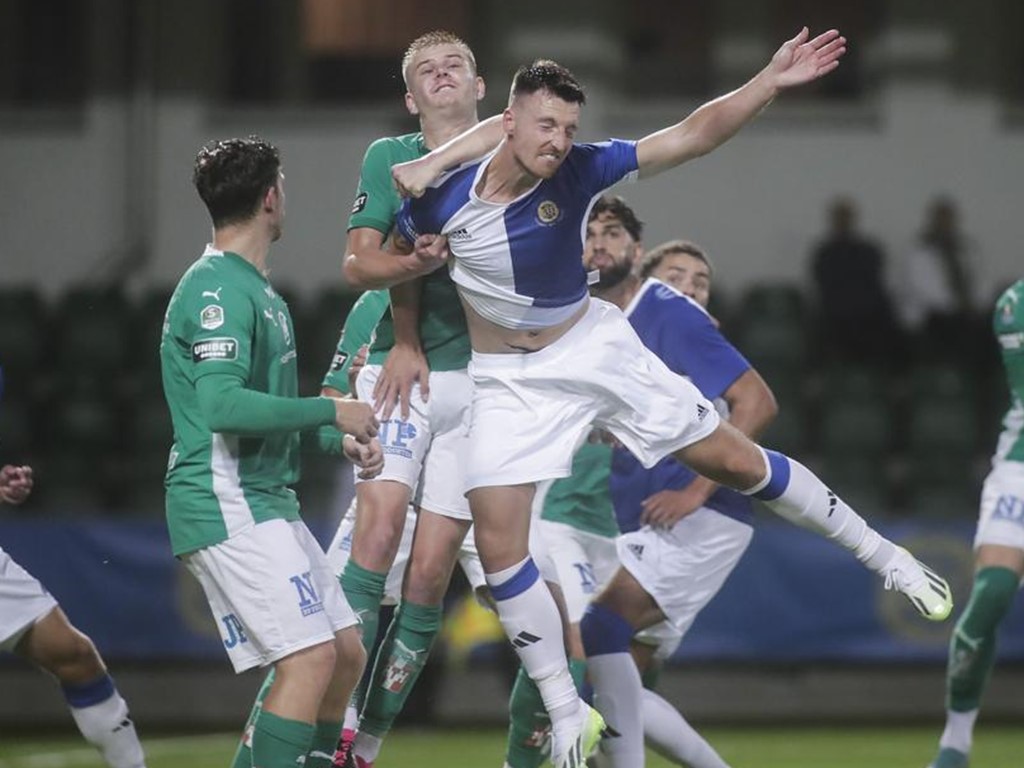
(222, 348)
(360, 202)
(396, 436)
(588, 580)
(1010, 509)
(211, 317)
(309, 600)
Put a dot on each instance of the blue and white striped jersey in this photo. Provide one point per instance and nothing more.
(680, 332)
(519, 264)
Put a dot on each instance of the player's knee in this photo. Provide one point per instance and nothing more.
(70, 655)
(426, 582)
(348, 650)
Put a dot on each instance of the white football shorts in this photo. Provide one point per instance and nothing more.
(1001, 519)
(683, 567)
(23, 602)
(584, 563)
(272, 592)
(427, 452)
(532, 410)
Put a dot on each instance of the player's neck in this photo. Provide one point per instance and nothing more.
(504, 179)
(248, 241)
(621, 293)
(440, 128)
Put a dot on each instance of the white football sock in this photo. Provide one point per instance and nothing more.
(110, 729)
(959, 731)
(667, 733)
(617, 695)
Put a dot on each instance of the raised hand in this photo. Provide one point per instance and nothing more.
(801, 60)
(413, 177)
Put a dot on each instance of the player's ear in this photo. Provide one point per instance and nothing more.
(508, 121)
(410, 104)
(481, 88)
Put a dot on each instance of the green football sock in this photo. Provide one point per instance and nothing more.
(325, 741)
(243, 755)
(364, 591)
(399, 662)
(650, 676)
(972, 649)
(529, 723)
(280, 743)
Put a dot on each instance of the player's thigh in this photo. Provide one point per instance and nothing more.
(442, 482)
(684, 568)
(270, 593)
(403, 441)
(23, 602)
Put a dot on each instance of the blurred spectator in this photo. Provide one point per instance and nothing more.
(857, 318)
(941, 293)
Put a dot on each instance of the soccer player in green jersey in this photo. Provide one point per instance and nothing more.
(228, 363)
(419, 355)
(998, 550)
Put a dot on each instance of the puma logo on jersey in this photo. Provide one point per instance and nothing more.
(214, 294)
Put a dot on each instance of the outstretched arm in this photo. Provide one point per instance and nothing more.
(413, 177)
(798, 61)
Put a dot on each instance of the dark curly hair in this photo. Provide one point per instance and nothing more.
(547, 75)
(619, 208)
(233, 175)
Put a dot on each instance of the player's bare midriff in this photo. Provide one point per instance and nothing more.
(490, 338)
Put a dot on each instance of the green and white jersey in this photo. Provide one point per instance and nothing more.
(358, 331)
(1008, 323)
(224, 317)
(443, 333)
(583, 500)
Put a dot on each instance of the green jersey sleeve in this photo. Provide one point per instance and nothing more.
(358, 331)
(1008, 324)
(217, 326)
(377, 202)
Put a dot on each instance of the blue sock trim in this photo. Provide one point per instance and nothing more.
(778, 464)
(81, 696)
(523, 579)
(604, 631)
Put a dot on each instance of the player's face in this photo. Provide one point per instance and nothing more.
(442, 77)
(276, 206)
(609, 248)
(540, 129)
(687, 274)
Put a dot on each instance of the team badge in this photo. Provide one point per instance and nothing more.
(360, 202)
(211, 317)
(548, 212)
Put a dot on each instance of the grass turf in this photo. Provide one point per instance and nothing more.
(855, 747)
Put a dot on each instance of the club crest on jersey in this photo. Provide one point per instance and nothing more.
(360, 202)
(212, 316)
(548, 212)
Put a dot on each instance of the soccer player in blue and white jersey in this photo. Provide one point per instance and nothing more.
(548, 361)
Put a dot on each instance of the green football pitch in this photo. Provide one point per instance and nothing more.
(995, 747)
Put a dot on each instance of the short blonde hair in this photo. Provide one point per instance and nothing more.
(429, 40)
